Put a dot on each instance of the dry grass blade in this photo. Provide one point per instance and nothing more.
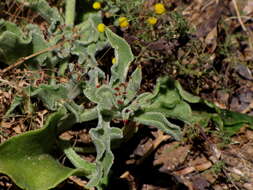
(239, 16)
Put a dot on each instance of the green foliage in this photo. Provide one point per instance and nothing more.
(42, 7)
(159, 120)
(82, 40)
(131, 8)
(102, 136)
(76, 160)
(123, 55)
(233, 121)
(29, 161)
(115, 97)
(217, 168)
(14, 44)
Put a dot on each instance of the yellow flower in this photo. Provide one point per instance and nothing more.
(159, 8)
(123, 22)
(96, 5)
(152, 20)
(101, 27)
(113, 60)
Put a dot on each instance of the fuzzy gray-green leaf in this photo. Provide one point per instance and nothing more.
(102, 136)
(123, 55)
(133, 85)
(76, 160)
(51, 95)
(42, 7)
(14, 44)
(158, 120)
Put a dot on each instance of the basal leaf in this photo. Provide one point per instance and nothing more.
(28, 159)
(181, 111)
(203, 118)
(106, 98)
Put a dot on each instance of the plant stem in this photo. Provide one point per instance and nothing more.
(70, 6)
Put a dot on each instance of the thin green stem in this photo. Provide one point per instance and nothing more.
(70, 6)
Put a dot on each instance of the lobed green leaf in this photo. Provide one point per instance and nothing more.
(14, 44)
(158, 120)
(102, 136)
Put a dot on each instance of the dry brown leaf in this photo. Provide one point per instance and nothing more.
(7, 125)
(171, 155)
(17, 129)
(204, 166)
(185, 171)
(78, 181)
(66, 136)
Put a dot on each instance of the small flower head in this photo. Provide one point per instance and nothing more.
(152, 20)
(113, 60)
(123, 22)
(101, 27)
(96, 5)
(159, 8)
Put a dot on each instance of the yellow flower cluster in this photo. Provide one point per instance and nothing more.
(159, 8)
(101, 27)
(96, 5)
(113, 60)
(152, 20)
(123, 22)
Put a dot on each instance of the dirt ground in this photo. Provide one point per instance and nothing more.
(208, 46)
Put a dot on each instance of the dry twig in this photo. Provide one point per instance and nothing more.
(239, 16)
